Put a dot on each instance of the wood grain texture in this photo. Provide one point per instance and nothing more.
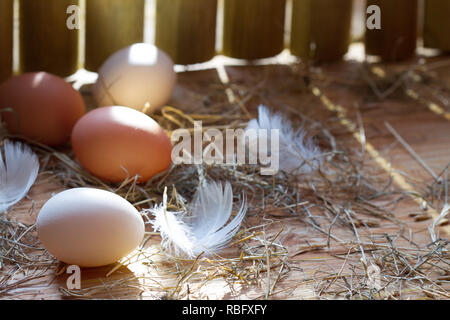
(253, 29)
(6, 38)
(321, 29)
(396, 40)
(437, 24)
(46, 44)
(186, 29)
(110, 26)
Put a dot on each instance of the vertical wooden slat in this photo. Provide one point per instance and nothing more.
(301, 30)
(6, 38)
(321, 29)
(110, 26)
(396, 40)
(186, 29)
(420, 18)
(46, 43)
(437, 24)
(253, 29)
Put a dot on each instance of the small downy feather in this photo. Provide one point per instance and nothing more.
(297, 153)
(432, 228)
(202, 227)
(19, 167)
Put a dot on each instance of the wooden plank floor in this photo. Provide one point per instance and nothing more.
(343, 105)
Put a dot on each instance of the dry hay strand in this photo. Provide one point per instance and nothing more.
(22, 260)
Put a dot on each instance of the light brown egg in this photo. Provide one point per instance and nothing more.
(140, 76)
(41, 107)
(114, 143)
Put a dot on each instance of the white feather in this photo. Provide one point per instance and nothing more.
(19, 168)
(297, 154)
(432, 228)
(205, 229)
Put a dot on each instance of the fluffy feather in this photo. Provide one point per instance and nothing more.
(19, 168)
(205, 229)
(297, 154)
(432, 228)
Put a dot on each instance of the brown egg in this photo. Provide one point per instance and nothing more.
(45, 107)
(114, 143)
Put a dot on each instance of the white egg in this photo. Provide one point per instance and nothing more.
(140, 76)
(89, 227)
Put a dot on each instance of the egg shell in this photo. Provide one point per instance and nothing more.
(140, 76)
(45, 107)
(89, 227)
(116, 143)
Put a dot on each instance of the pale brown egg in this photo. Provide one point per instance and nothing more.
(41, 107)
(115, 143)
(140, 76)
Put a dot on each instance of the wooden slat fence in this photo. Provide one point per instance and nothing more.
(187, 30)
